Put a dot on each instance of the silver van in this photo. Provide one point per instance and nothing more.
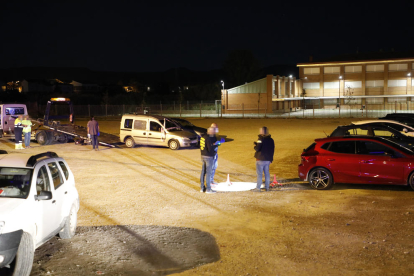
(154, 130)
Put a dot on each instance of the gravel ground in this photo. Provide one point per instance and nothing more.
(142, 213)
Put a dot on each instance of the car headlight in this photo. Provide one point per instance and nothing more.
(2, 225)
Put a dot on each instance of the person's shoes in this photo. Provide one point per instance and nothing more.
(201, 190)
(97, 149)
(210, 192)
(256, 190)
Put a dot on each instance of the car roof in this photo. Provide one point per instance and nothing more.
(381, 121)
(23, 160)
(144, 116)
(339, 138)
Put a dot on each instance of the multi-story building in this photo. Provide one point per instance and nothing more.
(376, 81)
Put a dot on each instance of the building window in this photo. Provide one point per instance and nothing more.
(331, 70)
(375, 68)
(331, 85)
(312, 71)
(397, 83)
(311, 85)
(353, 69)
(398, 67)
(374, 83)
(353, 84)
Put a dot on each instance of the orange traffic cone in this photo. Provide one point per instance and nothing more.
(228, 180)
(274, 183)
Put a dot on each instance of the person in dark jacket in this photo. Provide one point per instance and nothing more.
(265, 149)
(208, 146)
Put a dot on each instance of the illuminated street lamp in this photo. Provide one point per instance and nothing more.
(222, 83)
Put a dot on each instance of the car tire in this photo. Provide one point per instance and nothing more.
(174, 144)
(41, 137)
(49, 138)
(411, 180)
(63, 138)
(69, 229)
(129, 142)
(320, 179)
(23, 262)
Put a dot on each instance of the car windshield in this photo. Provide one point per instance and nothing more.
(169, 125)
(398, 146)
(184, 123)
(15, 182)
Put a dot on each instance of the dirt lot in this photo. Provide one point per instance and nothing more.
(142, 213)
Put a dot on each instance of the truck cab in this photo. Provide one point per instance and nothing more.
(9, 113)
(154, 131)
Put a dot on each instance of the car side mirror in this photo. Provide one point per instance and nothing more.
(44, 195)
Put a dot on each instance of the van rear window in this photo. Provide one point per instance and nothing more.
(128, 123)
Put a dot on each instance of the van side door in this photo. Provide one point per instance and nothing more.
(156, 134)
(139, 131)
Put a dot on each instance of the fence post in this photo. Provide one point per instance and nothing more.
(265, 112)
(395, 111)
(313, 110)
(161, 107)
(89, 110)
(339, 110)
(200, 108)
(243, 109)
(180, 110)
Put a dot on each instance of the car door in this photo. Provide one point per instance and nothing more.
(380, 164)
(140, 132)
(46, 210)
(156, 134)
(342, 161)
(59, 188)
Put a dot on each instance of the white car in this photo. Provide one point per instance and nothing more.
(38, 199)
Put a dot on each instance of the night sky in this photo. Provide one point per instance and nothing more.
(131, 36)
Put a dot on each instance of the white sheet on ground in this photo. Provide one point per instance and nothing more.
(236, 187)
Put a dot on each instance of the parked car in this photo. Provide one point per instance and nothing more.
(356, 160)
(38, 199)
(394, 124)
(154, 131)
(405, 118)
(188, 126)
(374, 129)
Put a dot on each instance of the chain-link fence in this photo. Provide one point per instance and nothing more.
(214, 109)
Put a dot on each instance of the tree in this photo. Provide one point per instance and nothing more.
(241, 66)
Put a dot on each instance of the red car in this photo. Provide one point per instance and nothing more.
(356, 159)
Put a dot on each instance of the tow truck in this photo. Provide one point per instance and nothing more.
(46, 131)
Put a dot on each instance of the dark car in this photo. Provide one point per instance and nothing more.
(376, 130)
(405, 118)
(356, 160)
(188, 126)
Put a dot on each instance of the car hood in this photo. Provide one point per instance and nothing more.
(8, 205)
(200, 129)
(181, 133)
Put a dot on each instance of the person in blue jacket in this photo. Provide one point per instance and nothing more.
(208, 148)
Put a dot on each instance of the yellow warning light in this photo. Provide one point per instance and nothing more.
(60, 99)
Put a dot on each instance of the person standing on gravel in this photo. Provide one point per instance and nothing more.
(27, 130)
(18, 131)
(215, 161)
(208, 145)
(265, 149)
(93, 132)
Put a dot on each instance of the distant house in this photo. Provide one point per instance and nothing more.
(2, 86)
(84, 87)
(36, 86)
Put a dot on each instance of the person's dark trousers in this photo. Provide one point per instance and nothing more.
(207, 165)
(94, 139)
(214, 167)
(263, 166)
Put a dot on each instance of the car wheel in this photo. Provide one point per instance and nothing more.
(50, 138)
(411, 180)
(41, 137)
(69, 229)
(129, 142)
(174, 144)
(63, 138)
(23, 262)
(320, 179)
